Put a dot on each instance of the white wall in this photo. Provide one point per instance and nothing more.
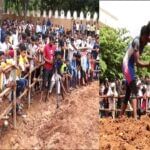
(62, 15)
(108, 19)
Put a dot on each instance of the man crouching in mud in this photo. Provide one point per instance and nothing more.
(131, 59)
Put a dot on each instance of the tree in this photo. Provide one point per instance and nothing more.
(78, 5)
(17, 5)
(112, 45)
(142, 72)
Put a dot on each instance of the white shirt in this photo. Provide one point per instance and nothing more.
(38, 28)
(71, 50)
(32, 49)
(77, 43)
(15, 40)
(77, 26)
(4, 47)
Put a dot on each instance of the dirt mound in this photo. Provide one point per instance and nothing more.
(73, 126)
(125, 134)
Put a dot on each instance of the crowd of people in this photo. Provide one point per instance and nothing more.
(73, 54)
(117, 88)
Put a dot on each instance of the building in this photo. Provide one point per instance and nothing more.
(106, 18)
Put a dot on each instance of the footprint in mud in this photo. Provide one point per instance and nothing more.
(47, 131)
(66, 101)
(52, 128)
(148, 127)
(72, 103)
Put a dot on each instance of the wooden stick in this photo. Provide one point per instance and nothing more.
(24, 92)
(37, 79)
(114, 108)
(14, 90)
(121, 96)
(41, 64)
(61, 83)
(5, 92)
(31, 85)
(107, 109)
(29, 82)
(26, 75)
(33, 70)
(6, 111)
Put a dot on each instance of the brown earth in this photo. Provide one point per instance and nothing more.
(75, 125)
(125, 134)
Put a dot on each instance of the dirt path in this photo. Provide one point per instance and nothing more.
(125, 134)
(73, 126)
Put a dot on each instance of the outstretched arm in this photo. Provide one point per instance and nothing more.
(139, 62)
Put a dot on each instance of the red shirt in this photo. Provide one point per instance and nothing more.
(49, 51)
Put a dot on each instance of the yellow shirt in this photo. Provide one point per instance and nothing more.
(63, 68)
(5, 65)
(2, 76)
(22, 62)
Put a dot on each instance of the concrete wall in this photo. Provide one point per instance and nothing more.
(62, 19)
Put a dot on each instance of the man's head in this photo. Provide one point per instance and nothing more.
(7, 37)
(67, 62)
(51, 40)
(74, 56)
(22, 48)
(144, 34)
(148, 26)
(33, 39)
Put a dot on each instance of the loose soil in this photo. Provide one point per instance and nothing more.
(75, 125)
(125, 134)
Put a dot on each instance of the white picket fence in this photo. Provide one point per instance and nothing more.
(60, 15)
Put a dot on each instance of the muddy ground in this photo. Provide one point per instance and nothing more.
(125, 134)
(75, 125)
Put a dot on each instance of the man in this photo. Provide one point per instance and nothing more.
(23, 60)
(131, 57)
(5, 46)
(49, 52)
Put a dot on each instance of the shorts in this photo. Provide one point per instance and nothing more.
(131, 89)
(47, 75)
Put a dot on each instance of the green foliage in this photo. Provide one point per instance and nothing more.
(112, 45)
(78, 5)
(103, 66)
(142, 72)
(16, 5)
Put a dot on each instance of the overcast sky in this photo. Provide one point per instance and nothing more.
(131, 14)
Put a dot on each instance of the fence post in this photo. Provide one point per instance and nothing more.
(62, 14)
(114, 108)
(146, 105)
(44, 14)
(81, 15)
(75, 15)
(14, 90)
(68, 16)
(95, 17)
(50, 14)
(56, 14)
(29, 91)
(88, 16)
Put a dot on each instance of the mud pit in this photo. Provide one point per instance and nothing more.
(75, 125)
(125, 134)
